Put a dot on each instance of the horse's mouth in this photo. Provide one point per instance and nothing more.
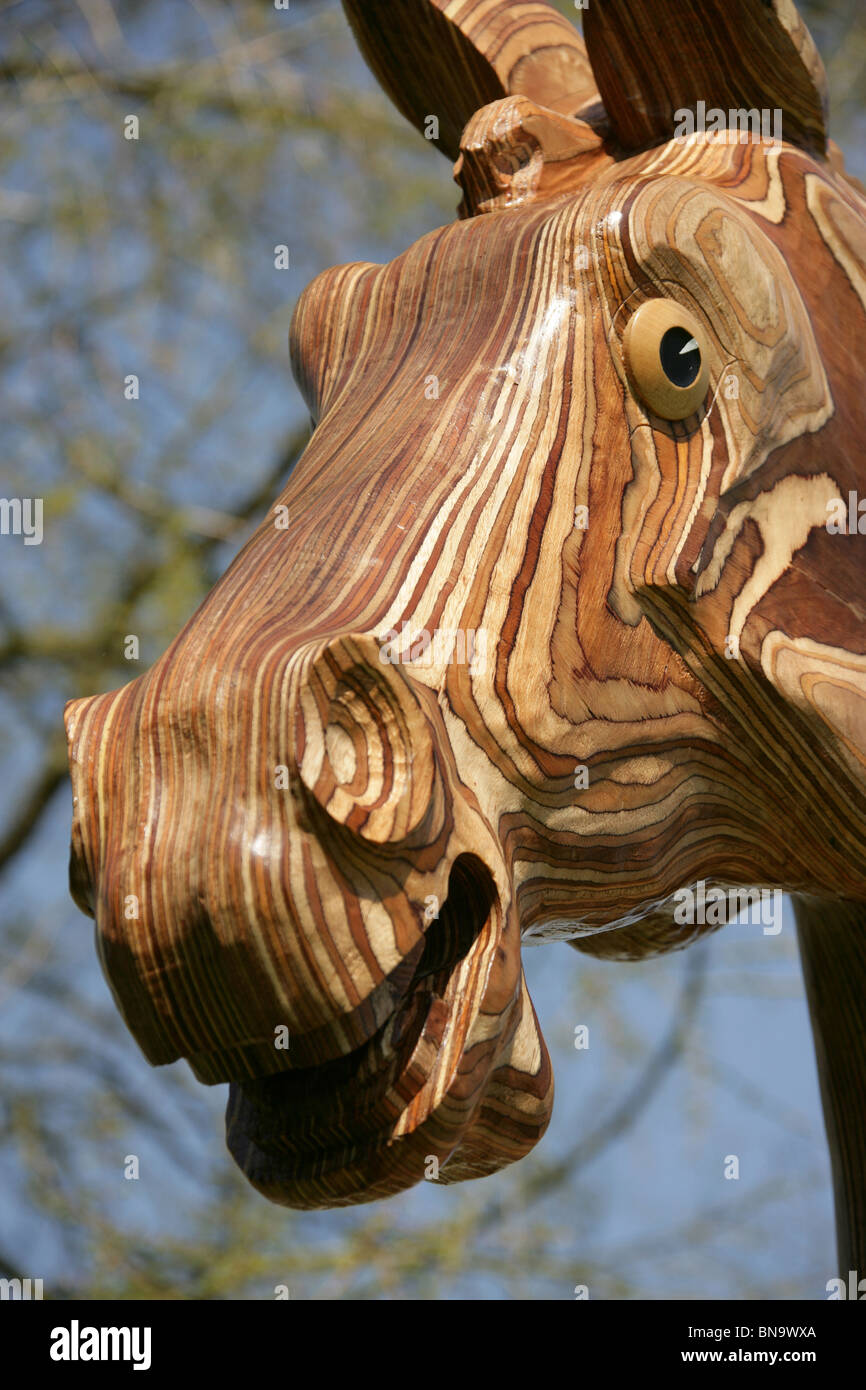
(349, 1130)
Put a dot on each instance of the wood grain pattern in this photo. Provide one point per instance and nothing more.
(512, 655)
(655, 58)
(448, 58)
(833, 949)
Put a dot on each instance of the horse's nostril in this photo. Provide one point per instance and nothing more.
(365, 752)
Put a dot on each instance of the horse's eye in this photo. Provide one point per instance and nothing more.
(666, 359)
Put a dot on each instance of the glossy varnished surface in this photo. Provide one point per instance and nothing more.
(324, 829)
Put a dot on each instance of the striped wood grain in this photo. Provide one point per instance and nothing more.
(646, 659)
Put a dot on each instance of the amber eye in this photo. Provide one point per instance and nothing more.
(666, 359)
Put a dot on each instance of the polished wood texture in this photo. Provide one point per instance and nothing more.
(651, 60)
(514, 654)
(449, 58)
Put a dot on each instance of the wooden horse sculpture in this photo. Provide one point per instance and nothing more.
(560, 613)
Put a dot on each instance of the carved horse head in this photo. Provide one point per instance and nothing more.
(557, 616)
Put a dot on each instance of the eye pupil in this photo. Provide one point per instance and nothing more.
(666, 358)
(680, 356)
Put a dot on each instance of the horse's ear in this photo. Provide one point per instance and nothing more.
(652, 58)
(441, 60)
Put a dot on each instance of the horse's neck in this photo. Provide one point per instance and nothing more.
(832, 939)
